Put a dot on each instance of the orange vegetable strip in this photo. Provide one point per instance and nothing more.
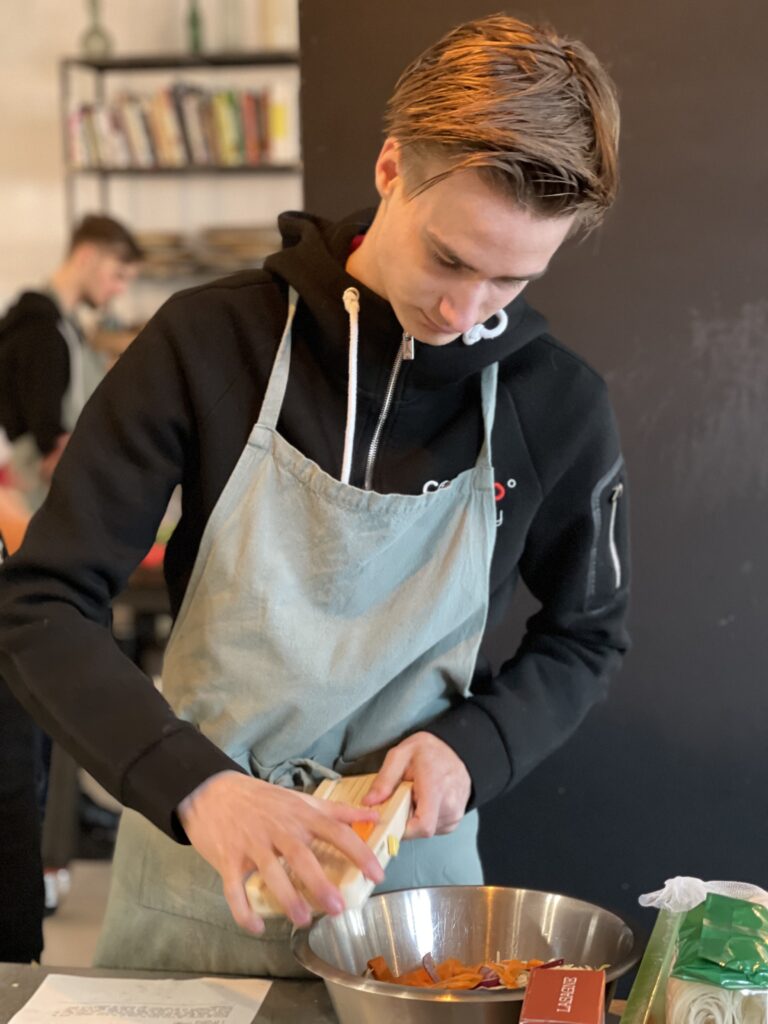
(455, 975)
(379, 968)
(364, 829)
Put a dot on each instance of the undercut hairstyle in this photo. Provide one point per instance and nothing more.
(109, 234)
(535, 113)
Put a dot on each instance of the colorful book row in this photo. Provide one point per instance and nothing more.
(185, 126)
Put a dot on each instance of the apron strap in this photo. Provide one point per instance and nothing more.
(489, 385)
(278, 378)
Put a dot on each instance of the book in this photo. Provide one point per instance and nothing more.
(170, 127)
(190, 103)
(225, 129)
(250, 120)
(136, 132)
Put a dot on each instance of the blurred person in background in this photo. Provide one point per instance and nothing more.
(48, 369)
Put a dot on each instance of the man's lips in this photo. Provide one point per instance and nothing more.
(438, 328)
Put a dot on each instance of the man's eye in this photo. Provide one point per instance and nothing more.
(443, 262)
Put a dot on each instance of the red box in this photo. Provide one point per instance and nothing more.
(557, 995)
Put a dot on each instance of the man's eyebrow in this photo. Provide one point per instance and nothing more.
(450, 255)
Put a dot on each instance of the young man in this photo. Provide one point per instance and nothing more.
(375, 436)
(47, 369)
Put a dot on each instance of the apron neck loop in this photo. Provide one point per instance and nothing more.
(278, 380)
(489, 384)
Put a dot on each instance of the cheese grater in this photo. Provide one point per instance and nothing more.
(384, 840)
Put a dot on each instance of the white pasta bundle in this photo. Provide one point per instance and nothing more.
(691, 1002)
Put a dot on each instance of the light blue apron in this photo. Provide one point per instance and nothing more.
(322, 624)
(86, 369)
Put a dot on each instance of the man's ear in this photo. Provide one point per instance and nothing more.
(85, 255)
(388, 171)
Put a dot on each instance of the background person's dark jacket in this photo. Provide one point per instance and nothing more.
(34, 370)
(178, 408)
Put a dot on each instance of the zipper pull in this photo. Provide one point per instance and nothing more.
(407, 346)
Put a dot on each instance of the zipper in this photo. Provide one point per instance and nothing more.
(404, 352)
(605, 500)
(616, 494)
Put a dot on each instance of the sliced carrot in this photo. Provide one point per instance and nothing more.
(453, 974)
(379, 969)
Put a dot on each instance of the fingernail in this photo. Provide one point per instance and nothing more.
(301, 915)
(335, 905)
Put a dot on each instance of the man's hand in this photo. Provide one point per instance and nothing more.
(441, 784)
(240, 824)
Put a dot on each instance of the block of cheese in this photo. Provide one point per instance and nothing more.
(384, 840)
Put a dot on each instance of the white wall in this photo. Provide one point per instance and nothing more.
(36, 34)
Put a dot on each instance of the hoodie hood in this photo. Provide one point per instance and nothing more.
(313, 260)
(35, 306)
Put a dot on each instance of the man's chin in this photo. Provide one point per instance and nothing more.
(436, 340)
(429, 335)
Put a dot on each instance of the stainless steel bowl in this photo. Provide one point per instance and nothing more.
(473, 923)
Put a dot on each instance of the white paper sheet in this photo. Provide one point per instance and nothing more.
(85, 1000)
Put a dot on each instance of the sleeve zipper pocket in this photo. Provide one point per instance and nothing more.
(616, 494)
(605, 573)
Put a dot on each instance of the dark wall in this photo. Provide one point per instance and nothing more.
(668, 301)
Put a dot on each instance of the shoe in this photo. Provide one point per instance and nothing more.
(63, 882)
(51, 892)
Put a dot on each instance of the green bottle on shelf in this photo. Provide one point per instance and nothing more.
(194, 27)
(95, 43)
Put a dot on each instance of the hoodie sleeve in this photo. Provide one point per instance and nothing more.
(108, 495)
(575, 563)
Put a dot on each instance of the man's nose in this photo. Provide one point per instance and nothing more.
(462, 308)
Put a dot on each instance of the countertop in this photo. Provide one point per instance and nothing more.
(286, 1002)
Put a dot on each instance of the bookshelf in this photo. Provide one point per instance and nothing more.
(213, 118)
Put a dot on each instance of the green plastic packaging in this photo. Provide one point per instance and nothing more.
(724, 942)
(646, 1002)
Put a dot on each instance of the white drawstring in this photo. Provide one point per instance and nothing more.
(351, 298)
(474, 334)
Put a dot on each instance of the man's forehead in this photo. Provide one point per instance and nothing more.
(480, 227)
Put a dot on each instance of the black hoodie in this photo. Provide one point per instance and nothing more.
(34, 370)
(178, 408)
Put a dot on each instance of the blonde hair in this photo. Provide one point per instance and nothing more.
(535, 113)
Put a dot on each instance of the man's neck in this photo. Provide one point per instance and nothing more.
(66, 288)
(362, 265)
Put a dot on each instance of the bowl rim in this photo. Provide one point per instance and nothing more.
(308, 959)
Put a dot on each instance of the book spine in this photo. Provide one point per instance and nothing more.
(192, 119)
(283, 124)
(250, 119)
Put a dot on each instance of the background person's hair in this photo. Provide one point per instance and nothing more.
(107, 234)
(537, 114)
